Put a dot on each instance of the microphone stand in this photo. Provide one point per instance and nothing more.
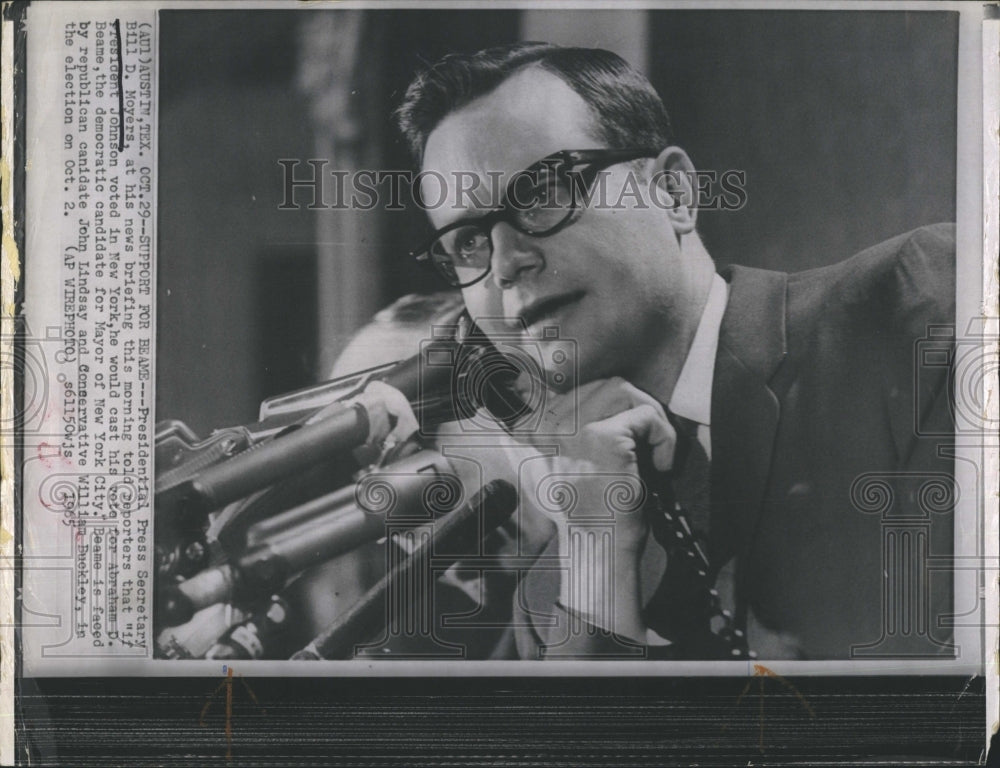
(389, 603)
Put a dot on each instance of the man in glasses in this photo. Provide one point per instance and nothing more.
(750, 403)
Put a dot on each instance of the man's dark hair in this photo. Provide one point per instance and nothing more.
(627, 110)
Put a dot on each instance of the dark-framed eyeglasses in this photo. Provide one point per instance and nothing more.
(539, 201)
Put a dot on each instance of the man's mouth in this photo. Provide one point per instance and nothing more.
(547, 308)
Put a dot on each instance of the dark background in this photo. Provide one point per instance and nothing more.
(843, 122)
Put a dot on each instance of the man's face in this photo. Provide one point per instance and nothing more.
(614, 281)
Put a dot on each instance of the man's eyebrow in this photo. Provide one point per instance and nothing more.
(532, 172)
(469, 216)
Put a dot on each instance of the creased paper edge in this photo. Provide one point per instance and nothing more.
(10, 273)
(991, 393)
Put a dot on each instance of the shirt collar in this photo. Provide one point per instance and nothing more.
(692, 395)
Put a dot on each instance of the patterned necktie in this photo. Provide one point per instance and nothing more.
(692, 476)
(685, 606)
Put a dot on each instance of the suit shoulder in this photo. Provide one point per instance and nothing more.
(907, 281)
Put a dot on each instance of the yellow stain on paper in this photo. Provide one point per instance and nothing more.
(761, 674)
(226, 685)
(13, 257)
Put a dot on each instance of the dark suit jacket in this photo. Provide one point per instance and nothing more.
(826, 486)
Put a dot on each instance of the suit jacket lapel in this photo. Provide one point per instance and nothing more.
(744, 409)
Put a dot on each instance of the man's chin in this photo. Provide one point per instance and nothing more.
(559, 382)
(527, 385)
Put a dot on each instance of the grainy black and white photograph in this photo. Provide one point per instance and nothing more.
(670, 271)
(538, 384)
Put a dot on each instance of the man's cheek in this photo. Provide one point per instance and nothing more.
(598, 360)
(483, 300)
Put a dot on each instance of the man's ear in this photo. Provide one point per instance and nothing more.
(675, 190)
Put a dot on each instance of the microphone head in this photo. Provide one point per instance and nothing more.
(451, 379)
(173, 607)
(499, 500)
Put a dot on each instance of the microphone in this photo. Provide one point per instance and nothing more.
(425, 380)
(441, 383)
(497, 501)
(409, 491)
(449, 378)
(262, 465)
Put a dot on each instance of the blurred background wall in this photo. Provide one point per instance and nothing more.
(844, 123)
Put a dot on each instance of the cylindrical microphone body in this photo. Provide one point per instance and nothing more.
(487, 510)
(447, 380)
(282, 457)
(414, 490)
(425, 380)
(303, 513)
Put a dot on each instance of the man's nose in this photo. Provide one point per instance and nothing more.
(516, 256)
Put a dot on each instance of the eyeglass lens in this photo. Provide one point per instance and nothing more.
(538, 202)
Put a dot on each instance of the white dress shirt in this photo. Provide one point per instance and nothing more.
(692, 395)
(692, 399)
